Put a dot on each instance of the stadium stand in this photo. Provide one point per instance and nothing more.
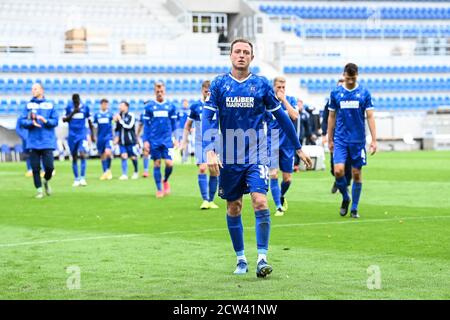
(357, 12)
(401, 47)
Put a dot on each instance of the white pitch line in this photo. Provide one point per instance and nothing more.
(67, 240)
(6, 245)
(313, 224)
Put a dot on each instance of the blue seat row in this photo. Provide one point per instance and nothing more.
(23, 68)
(383, 85)
(368, 69)
(357, 12)
(396, 103)
(54, 86)
(15, 107)
(367, 31)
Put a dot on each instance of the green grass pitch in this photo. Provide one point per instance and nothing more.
(129, 245)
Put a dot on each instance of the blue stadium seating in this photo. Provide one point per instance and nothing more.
(367, 69)
(383, 85)
(14, 107)
(365, 31)
(65, 86)
(352, 12)
(175, 69)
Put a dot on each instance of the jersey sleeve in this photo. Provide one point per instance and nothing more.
(212, 101)
(148, 111)
(67, 110)
(368, 101)
(332, 105)
(270, 100)
(87, 112)
(292, 101)
(194, 115)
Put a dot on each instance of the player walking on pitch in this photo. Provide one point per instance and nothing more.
(207, 188)
(126, 138)
(103, 120)
(283, 157)
(76, 115)
(163, 116)
(241, 99)
(349, 104)
(40, 119)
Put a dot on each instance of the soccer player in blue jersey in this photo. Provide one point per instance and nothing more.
(241, 100)
(144, 129)
(183, 115)
(348, 165)
(283, 157)
(126, 138)
(40, 118)
(23, 134)
(208, 188)
(103, 120)
(163, 117)
(76, 115)
(349, 104)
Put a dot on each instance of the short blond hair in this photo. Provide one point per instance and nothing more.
(159, 84)
(206, 84)
(279, 79)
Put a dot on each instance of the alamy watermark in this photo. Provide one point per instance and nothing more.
(374, 277)
(73, 282)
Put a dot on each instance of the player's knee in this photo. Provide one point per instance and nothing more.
(157, 163)
(169, 163)
(124, 156)
(287, 178)
(274, 175)
(338, 172)
(234, 208)
(357, 176)
(260, 203)
(202, 168)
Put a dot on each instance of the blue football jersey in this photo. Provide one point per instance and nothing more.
(350, 107)
(241, 106)
(272, 124)
(183, 114)
(103, 120)
(196, 116)
(77, 125)
(163, 118)
(145, 120)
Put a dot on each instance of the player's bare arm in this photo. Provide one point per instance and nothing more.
(331, 125)
(186, 130)
(373, 131)
(214, 163)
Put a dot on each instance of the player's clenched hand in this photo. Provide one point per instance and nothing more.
(41, 118)
(331, 145)
(214, 163)
(36, 124)
(305, 158)
(373, 147)
(183, 145)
